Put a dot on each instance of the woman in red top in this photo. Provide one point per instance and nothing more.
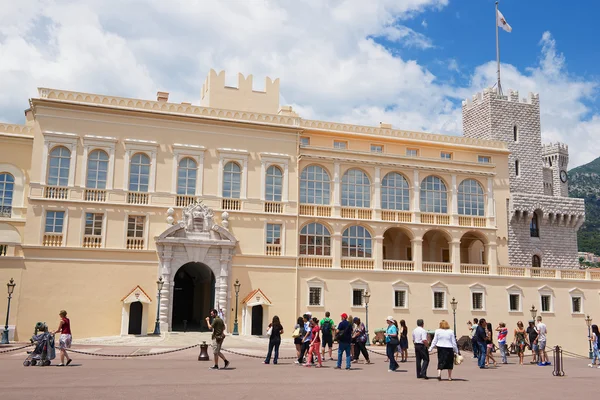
(65, 338)
(315, 344)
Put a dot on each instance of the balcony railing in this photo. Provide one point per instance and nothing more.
(92, 241)
(358, 263)
(439, 267)
(396, 216)
(6, 211)
(273, 250)
(398, 265)
(315, 210)
(137, 198)
(52, 239)
(572, 274)
(135, 243)
(475, 269)
(543, 273)
(511, 271)
(3, 250)
(231, 204)
(97, 195)
(356, 213)
(315, 262)
(56, 193)
(184, 200)
(595, 275)
(477, 222)
(273, 207)
(435, 219)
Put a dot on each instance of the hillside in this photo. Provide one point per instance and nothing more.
(584, 183)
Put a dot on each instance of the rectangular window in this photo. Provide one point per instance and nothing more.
(484, 159)
(357, 297)
(314, 296)
(400, 298)
(376, 148)
(93, 224)
(576, 305)
(446, 156)
(273, 234)
(514, 302)
(439, 300)
(546, 303)
(135, 226)
(304, 141)
(412, 152)
(339, 144)
(477, 301)
(54, 221)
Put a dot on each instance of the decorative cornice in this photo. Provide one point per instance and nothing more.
(16, 129)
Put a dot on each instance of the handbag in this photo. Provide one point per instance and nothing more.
(269, 331)
(458, 359)
(296, 333)
(394, 341)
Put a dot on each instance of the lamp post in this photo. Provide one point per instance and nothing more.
(454, 304)
(159, 285)
(236, 286)
(588, 322)
(533, 313)
(367, 297)
(11, 288)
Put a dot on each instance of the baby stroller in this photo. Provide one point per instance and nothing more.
(44, 350)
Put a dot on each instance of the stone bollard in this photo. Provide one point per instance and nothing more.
(203, 352)
(558, 362)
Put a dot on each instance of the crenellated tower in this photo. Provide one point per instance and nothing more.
(556, 159)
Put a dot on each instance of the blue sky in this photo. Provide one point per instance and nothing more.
(405, 62)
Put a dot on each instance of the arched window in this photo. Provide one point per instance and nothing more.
(315, 240)
(356, 189)
(97, 170)
(139, 173)
(7, 185)
(534, 227)
(515, 133)
(273, 184)
(314, 185)
(232, 180)
(58, 166)
(516, 167)
(187, 171)
(395, 193)
(471, 200)
(434, 196)
(536, 262)
(356, 242)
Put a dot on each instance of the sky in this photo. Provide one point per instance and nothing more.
(405, 62)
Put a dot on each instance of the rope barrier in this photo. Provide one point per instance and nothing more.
(262, 357)
(16, 348)
(133, 355)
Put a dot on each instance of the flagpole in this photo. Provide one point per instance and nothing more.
(499, 86)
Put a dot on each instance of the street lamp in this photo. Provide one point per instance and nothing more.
(159, 285)
(588, 322)
(236, 286)
(533, 313)
(454, 304)
(367, 297)
(11, 288)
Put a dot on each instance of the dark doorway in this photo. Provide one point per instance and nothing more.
(257, 320)
(193, 297)
(135, 318)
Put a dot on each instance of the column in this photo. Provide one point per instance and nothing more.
(378, 253)
(337, 190)
(455, 255)
(221, 293)
(200, 175)
(490, 209)
(152, 185)
(416, 194)
(244, 187)
(454, 202)
(84, 163)
(336, 250)
(263, 171)
(492, 257)
(286, 183)
(127, 165)
(417, 253)
(220, 178)
(166, 294)
(376, 200)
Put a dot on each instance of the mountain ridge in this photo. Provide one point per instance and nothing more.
(584, 183)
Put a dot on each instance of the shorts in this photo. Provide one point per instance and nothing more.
(535, 348)
(542, 345)
(298, 340)
(65, 341)
(216, 346)
(327, 341)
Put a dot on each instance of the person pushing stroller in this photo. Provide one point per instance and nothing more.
(44, 350)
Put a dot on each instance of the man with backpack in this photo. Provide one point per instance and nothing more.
(327, 325)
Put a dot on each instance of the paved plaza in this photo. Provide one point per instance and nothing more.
(180, 374)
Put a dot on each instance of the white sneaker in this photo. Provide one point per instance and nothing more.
(591, 365)
(598, 366)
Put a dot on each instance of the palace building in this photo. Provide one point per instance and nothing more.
(100, 196)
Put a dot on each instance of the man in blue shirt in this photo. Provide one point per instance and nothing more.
(480, 338)
(344, 338)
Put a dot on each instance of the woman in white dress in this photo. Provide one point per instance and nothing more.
(445, 342)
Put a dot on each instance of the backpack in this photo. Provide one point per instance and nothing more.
(326, 328)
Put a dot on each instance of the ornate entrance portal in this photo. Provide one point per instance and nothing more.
(195, 262)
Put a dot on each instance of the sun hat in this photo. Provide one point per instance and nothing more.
(344, 316)
(390, 318)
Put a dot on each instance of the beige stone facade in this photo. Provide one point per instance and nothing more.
(112, 193)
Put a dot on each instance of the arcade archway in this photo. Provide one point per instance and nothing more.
(193, 297)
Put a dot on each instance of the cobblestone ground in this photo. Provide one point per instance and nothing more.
(180, 374)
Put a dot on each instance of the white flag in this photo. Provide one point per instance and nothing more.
(502, 22)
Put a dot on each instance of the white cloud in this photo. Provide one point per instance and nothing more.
(424, 24)
(324, 52)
